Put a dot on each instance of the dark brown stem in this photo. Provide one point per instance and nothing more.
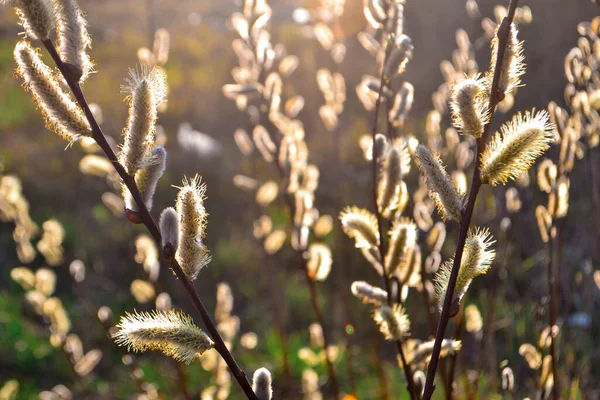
(503, 34)
(453, 357)
(552, 308)
(382, 83)
(149, 222)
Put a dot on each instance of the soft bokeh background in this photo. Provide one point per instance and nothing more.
(199, 64)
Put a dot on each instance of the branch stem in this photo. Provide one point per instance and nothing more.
(382, 251)
(149, 222)
(495, 97)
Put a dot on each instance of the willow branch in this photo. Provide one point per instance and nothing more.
(382, 83)
(495, 98)
(148, 221)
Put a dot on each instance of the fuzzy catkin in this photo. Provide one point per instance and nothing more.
(319, 261)
(146, 180)
(469, 106)
(393, 321)
(369, 294)
(447, 199)
(62, 115)
(73, 38)
(476, 260)
(170, 332)
(146, 92)
(192, 254)
(512, 151)
(512, 63)
(361, 225)
(261, 384)
(403, 237)
(36, 16)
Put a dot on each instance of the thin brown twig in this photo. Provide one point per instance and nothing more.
(148, 221)
(503, 34)
(382, 83)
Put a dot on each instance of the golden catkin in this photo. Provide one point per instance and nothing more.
(420, 355)
(546, 177)
(62, 115)
(319, 261)
(512, 63)
(403, 237)
(361, 225)
(469, 105)
(261, 384)
(192, 254)
(146, 89)
(544, 220)
(24, 277)
(402, 104)
(369, 294)
(476, 259)
(516, 147)
(73, 38)
(448, 200)
(170, 332)
(393, 321)
(37, 17)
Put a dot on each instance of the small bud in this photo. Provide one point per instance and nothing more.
(261, 384)
(512, 151)
(447, 199)
(169, 227)
(171, 332)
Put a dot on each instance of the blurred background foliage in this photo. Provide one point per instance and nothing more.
(200, 62)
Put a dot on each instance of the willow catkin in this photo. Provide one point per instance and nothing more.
(319, 261)
(62, 115)
(516, 147)
(546, 177)
(146, 180)
(476, 260)
(192, 254)
(37, 17)
(24, 277)
(169, 227)
(170, 332)
(403, 237)
(469, 106)
(361, 225)
(146, 89)
(393, 321)
(402, 104)
(73, 38)
(261, 384)
(448, 200)
(512, 63)
(369, 294)
(421, 354)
